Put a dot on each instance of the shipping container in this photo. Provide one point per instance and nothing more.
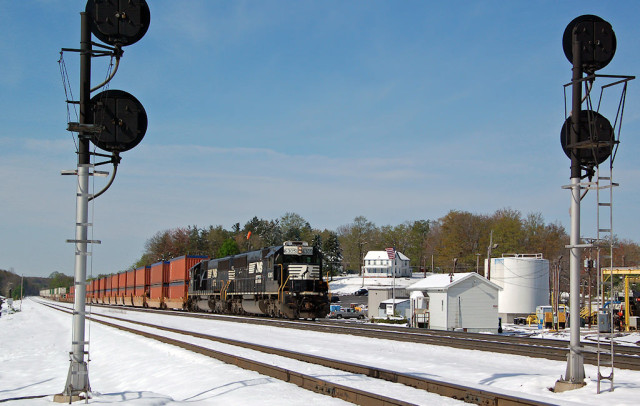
(122, 287)
(157, 295)
(141, 288)
(176, 297)
(108, 290)
(131, 282)
(101, 285)
(115, 288)
(179, 267)
(159, 273)
(114, 285)
(142, 280)
(88, 295)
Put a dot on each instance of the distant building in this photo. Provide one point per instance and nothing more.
(378, 265)
(464, 301)
(394, 308)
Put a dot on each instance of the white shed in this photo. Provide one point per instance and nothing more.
(465, 301)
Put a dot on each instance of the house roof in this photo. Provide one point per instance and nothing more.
(394, 301)
(443, 281)
(383, 255)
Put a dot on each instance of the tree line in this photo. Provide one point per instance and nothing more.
(431, 245)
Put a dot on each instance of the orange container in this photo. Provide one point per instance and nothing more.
(178, 290)
(122, 283)
(179, 267)
(131, 282)
(114, 285)
(159, 273)
(108, 286)
(158, 291)
(143, 276)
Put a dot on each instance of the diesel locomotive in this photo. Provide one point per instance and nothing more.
(279, 281)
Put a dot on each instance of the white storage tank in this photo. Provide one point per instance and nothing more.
(524, 279)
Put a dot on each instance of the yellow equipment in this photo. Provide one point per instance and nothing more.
(627, 272)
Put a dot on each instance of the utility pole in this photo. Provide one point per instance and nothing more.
(491, 247)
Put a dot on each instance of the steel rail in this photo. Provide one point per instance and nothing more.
(627, 357)
(439, 387)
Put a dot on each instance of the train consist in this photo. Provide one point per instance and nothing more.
(279, 281)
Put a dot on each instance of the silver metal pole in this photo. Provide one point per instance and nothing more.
(575, 368)
(78, 377)
(574, 376)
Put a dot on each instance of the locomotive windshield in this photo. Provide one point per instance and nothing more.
(301, 259)
(300, 254)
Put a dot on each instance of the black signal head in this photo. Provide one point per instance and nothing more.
(596, 139)
(118, 22)
(597, 38)
(122, 118)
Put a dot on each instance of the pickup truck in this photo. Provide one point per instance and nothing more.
(346, 313)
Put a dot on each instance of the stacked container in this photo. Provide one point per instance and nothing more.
(178, 281)
(108, 290)
(158, 284)
(141, 287)
(98, 291)
(114, 289)
(129, 284)
(88, 293)
(122, 287)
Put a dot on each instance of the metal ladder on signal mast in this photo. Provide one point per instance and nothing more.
(604, 237)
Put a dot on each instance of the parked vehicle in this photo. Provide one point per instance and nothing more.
(362, 292)
(346, 313)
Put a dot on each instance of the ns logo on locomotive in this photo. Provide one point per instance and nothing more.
(280, 281)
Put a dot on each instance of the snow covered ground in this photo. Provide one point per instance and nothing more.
(34, 346)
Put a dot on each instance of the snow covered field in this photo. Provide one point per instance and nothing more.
(34, 346)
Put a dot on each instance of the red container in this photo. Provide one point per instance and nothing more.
(108, 286)
(114, 285)
(159, 273)
(122, 283)
(179, 267)
(131, 282)
(143, 276)
(178, 290)
(158, 292)
(99, 292)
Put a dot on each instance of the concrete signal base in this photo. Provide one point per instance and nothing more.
(563, 386)
(62, 398)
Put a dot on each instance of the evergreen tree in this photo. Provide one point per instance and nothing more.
(229, 247)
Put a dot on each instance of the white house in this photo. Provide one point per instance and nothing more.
(378, 265)
(465, 301)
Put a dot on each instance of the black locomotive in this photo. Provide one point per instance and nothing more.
(280, 281)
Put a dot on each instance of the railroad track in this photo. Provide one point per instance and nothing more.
(626, 357)
(323, 386)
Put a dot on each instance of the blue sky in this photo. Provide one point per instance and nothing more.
(331, 109)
